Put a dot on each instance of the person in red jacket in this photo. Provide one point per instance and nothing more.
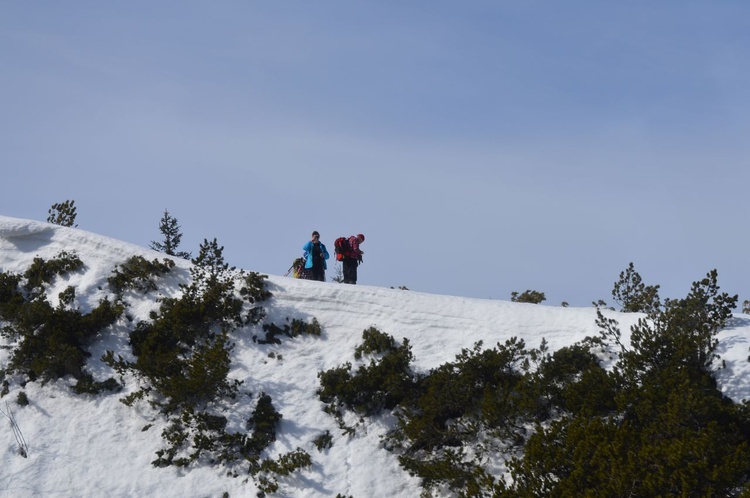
(352, 258)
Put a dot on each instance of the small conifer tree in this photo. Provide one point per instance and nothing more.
(633, 295)
(63, 214)
(528, 296)
(211, 258)
(170, 229)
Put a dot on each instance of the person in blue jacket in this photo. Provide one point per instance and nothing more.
(316, 255)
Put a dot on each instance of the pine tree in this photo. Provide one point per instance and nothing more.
(63, 214)
(633, 295)
(169, 227)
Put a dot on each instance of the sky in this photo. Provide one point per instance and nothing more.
(481, 147)
(84, 446)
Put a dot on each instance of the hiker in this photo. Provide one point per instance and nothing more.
(315, 258)
(352, 258)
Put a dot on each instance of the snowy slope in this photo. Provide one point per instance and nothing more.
(96, 446)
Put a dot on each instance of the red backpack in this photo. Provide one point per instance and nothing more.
(340, 247)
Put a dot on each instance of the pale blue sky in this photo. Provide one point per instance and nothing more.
(483, 147)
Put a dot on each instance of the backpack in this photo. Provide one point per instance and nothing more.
(341, 247)
(298, 268)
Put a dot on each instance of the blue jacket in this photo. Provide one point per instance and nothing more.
(308, 253)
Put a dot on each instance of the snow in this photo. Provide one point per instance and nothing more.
(92, 446)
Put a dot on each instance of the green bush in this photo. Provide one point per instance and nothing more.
(43, 272)
(285, 465)
(465, 412)
(139, 274)
(682, 335)
(672, 439)
(50, 342)
(380, 384)
(633, 295)
(440, 415)
(182, 358)
(200, 376)
(481, 385)
(88, 385)
(184, 351)
(374, 342)
(297, 328)
(528, 296)
(668, 430)
(63, 213)
(12, 298)
(573, 381)
(263, 423)
(323, 441)
(654, 425)
(193, 435)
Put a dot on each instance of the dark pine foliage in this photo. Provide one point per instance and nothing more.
(654, 425)
(633, 295)
(139, 274)
(170, 229)
(295, 329)
(63, 214)
(669, 430)
(383, 383)
(184, 351)
(527, 296)
(51, 341)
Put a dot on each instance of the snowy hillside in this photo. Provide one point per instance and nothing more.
(91, 446)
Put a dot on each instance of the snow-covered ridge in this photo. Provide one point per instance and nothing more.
(19, 238)
(96, 446)
(12, 227)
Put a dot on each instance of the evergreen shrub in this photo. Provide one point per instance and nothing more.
(528, 296)
(668, 430)
(655, 424)
(383, 383)
(633, 295)
(63, 214)
(50, 341)
(263, 423)
(139, 274)
(295, 329)
(323, 441)
(170, 229)
(184, 350)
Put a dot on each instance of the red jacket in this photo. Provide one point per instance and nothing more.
(353, 251)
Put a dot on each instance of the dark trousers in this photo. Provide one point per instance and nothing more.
(350, 270)
(318, 273)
